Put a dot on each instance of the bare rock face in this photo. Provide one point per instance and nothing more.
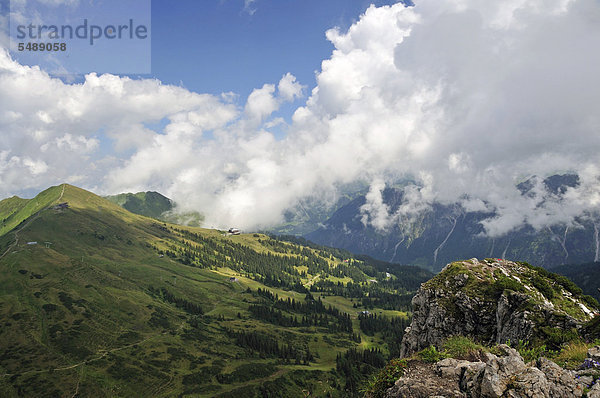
(506, 375)
(594, 391)
(493, 301)
(594, 353)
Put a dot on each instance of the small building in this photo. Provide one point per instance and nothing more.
(364, 312)
(32, 243)
(234, 231)
(233, 279)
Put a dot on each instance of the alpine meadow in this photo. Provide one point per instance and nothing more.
(299, 199)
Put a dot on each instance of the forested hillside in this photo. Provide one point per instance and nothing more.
(97, 301)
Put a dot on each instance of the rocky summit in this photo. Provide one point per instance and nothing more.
(495, 376)
(493, 304)
(496, 301)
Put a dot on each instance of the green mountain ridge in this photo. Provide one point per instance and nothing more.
(15, 210)
(150, 204)
(155, 205)
(112, 303)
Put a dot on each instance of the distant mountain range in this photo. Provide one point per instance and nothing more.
(446, 233)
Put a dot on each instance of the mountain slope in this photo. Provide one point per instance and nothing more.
(111, 303)
(154, 205)
(15, 210)
(149, 204)
(586, 276)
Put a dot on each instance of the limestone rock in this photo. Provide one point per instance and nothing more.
(493, 301)
(503, 376)
(594, 353)
(594, 391)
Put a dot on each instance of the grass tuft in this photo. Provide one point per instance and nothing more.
(572, 355)
(461, 347)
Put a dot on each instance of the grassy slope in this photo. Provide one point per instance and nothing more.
(11, 205)
(78, 316)
(16, 210)
(150, 204)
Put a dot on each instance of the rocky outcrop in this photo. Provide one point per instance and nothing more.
(505, 375)
(594, 353)
(493, 301)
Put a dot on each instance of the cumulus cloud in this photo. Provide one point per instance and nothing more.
(466, 99)
(249, 6)
(289, 88)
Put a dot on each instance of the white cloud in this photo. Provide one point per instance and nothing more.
(261, 103)
(375, 212)
(467, 98)
(289, 89)
(249, 6)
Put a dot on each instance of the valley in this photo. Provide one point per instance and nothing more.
(98, 301)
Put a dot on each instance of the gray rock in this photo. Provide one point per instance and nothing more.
(499, 372)
(454, 368)
(586, 380)
(451, 305)
(594, 391)
(512, 324)
(562, 383)
(463, 301)
(594, 353)
(503, 376)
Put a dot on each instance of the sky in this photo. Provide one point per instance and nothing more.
(255, 107)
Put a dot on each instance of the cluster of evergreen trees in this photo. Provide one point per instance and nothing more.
(187, 306)
(272, 269)
(268, 346)
(371, 295)
(356, 365)
(314, 312)
(391, 329)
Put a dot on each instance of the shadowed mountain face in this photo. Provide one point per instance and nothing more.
(586, 276)
(445, 233)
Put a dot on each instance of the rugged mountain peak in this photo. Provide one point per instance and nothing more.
(496, 301)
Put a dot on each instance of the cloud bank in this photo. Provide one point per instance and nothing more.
(467, 98)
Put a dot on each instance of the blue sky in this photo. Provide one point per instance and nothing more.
(216, 46)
